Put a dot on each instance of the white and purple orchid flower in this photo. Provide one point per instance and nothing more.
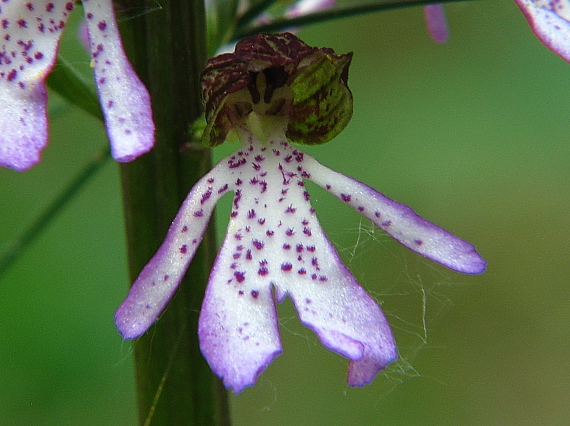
(550, 21)
(272, 91)
(30, 32)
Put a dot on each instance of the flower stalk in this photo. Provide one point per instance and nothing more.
(168, 50)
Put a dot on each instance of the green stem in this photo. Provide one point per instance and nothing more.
(282, 24)
(168, 48)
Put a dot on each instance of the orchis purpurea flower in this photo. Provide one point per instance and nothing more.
(30, 32)
(550, 21)
(272, 91)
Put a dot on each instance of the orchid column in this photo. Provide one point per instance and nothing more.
(168, 49)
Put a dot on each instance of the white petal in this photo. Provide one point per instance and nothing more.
(29, 38)
(159, 279)
(124, 99)
(399, 221)
(550, 21)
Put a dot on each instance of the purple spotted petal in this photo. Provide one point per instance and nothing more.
(238, 329)
(274, 240)
(550, 21)
(29, 36)
(436, 22)
(124, 99)
(400, 221)
(160, 277)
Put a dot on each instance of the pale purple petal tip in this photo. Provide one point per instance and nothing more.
(160, 278)
(237, 328)
(124, 99)
(29, 36)
(401, 222)
(550, 21)
(344, 317)
(436, 22)
(24, 126)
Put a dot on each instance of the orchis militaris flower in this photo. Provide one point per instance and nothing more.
(550, 21)
(29, 36)
(272, 91)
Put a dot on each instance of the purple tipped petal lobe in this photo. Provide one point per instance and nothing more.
(159, 279)
(29, 37)
(550, 21)
(400, 222)
(124, 99)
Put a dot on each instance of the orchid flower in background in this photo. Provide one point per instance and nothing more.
(30, 32)
(550, 21)
(272, 91)
(436, 22)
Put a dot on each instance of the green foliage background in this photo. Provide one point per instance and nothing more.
(473, 134)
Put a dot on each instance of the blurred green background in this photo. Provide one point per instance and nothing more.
(473, 134)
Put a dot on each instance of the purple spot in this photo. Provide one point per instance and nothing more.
(184, 229)
(263, 271)
(306, 195)
(289, 232)
(418, 242)
(237, 236)
(299, 248)
(345, 198)
(236, 256)
(269, 233)
(223, 189)
(254, 294)
(166, 277)
(257, 244)
(328, 186)
(199, 213)
(251, 214)
(68, 6)
(89, 15)
(38, 55)
(22, 23)
(184, 249)
(261, 221)
(387, 223)
(240, 276)
(12, 75)
(307, 231)
(377, 214)
(206, 196)
(360, 208)
(314, 276)
(290, 209)
(323, 278)
(248, 255)
(102, 25)
(311, 249)
(30, 6)
(286, 266)
(302, 271)
(240, 292)
(286, 246)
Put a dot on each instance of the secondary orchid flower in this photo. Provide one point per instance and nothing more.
(436, 22)
(272, 91)
(550, 21)
(30, 32)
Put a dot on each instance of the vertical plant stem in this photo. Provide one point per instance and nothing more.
(167, 46)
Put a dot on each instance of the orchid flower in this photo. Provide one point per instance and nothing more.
(550, 21)
(30, 32)
(272, 91)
